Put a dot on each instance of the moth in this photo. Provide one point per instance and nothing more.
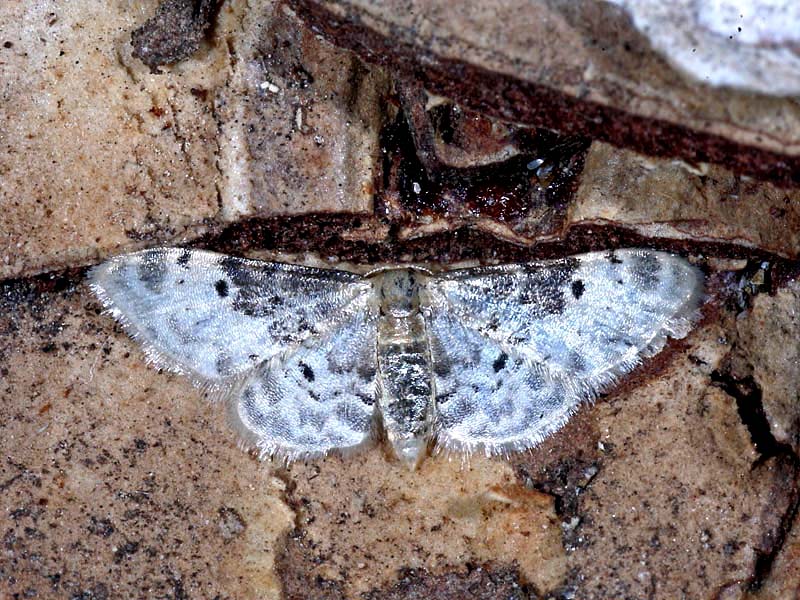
(488, 359)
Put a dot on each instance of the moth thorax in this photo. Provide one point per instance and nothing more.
(398, 291)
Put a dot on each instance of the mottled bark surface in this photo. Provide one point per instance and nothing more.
(270, 138)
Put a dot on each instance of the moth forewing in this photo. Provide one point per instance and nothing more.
(488, 359)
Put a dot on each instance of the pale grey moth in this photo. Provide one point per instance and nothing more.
(311, 360)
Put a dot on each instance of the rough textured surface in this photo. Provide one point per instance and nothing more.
(751, 46)
(149, 165)
(301, 121)
(671, 199)
(681, 504)
(95, 153)
(577, 67)
(118, 481)
(173, 33)
(784, 577)
(362, 521)
(471, 583)
(769, 352)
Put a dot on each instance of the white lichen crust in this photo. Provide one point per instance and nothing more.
(489, 359)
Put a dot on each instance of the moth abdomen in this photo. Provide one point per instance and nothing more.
(404, 365)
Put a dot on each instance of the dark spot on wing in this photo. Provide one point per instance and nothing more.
(183, 259)
(500, 362)
(152, 271)
(443, 398)
(353, 420)
(181, 332)
(366, 370)
(577, 289)
(249, 397)
(543, 288)
(222, 288)
(441, 367)
(576, 362)
(256, 284)
(307, 372)
(646, 268)
(460, 408)
(366, 400)
(613, 258)
(224, 365)
(338, 366)
(251, 302)
(243, 274)
(303, 325)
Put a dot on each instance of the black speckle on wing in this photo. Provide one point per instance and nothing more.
(308, 372)
(222, 288)
(578, 288)
(500, 362)
(613, 258)
(543, 288)
(247, 279)
(152, 271)
(366, 370)
(442, 367)
(577, 364)
(224, 365)
(178, 330)
(366, 400)
(251, 302)
(646, 268)
(183, 259)
(243, 274)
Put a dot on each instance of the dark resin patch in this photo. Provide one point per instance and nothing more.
(174, 32)
(222, 288)
(646, 268)
(500, 362)
(578, 288)
(308, 372)
(151, 273)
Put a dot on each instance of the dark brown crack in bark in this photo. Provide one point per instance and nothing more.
(507, 97)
